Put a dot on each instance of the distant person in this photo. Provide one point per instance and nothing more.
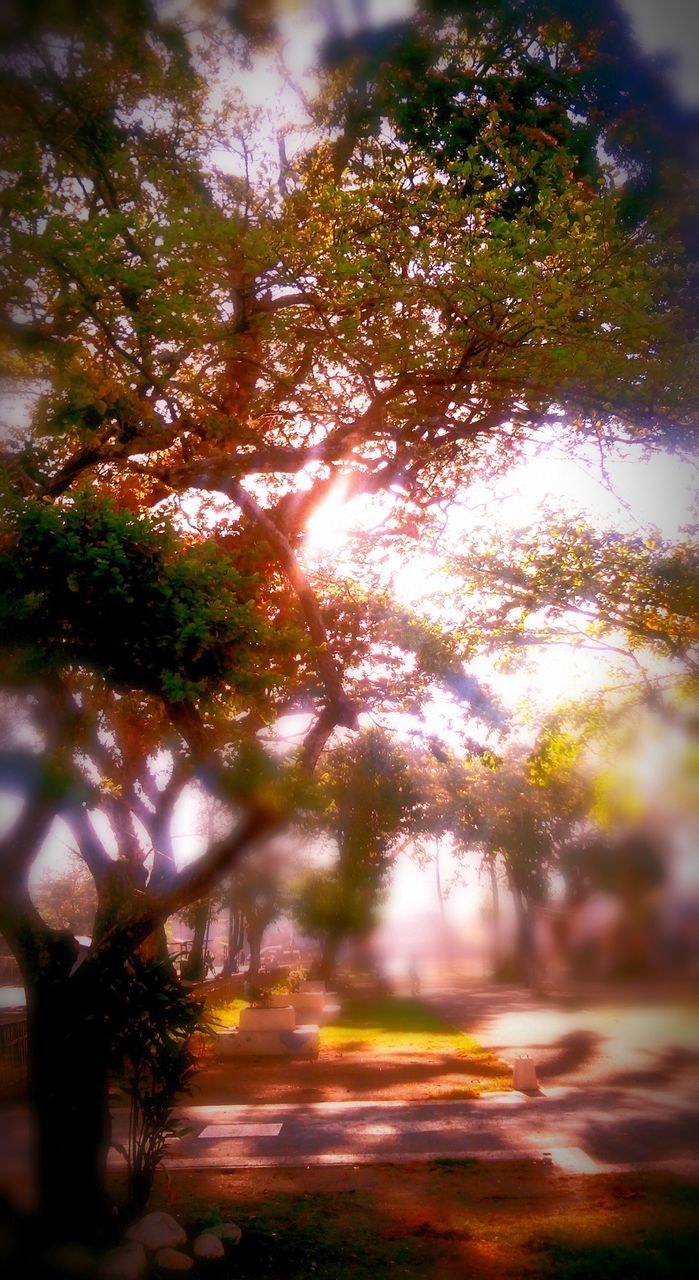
(413, 977)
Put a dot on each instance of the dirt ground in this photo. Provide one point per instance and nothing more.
(445, 1219)
(336, 1076)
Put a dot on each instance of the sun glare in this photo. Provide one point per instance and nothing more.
(332, 521)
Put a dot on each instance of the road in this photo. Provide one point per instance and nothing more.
(596, 1039)
(619, 1090)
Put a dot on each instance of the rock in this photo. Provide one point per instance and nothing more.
(208, 1246)
(173, 1260)
(126, 1262)
(226, 1231)
(157, 1231)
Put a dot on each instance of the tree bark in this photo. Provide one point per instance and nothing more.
(495, 907)
(155, 948)
(236, 931)
(194, 967)
(68, 1067)
(255, 935)
(328, 956)
(69, 1087)
(526, 956)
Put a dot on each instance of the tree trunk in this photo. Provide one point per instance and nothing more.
(446, 932)
(69, 1085)
(236, 930)
(328, 956)
(526, 956)
(495, 907)
(255, 935)
(68, 1068)
(155, 948)
(194, 967)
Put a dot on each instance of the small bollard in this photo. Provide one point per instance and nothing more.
(524, 1073)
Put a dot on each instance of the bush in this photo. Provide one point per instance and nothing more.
(155, 1054)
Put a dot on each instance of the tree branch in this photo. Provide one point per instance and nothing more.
(92, 851)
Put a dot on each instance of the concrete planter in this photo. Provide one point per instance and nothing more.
(308, 1006)
(270, 1031)
(277, 1017)
(300, 1042)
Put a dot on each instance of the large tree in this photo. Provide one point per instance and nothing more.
(437, 264)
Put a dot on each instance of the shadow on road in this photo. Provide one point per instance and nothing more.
(571, 1052)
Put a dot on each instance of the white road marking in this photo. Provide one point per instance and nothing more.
(575, 1160)
(241, 1131)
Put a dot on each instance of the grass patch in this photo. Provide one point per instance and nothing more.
(391, 1025)
(452, 1164)
(658, 1255)
(379, 1047)
(226, 1013)
(447, 1220)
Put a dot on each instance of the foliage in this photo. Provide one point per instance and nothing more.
(560, 578)
(81, 579)
(628, 865)
(453, 278)
(154, 1061)
(536, 816)
(67, 899)
(368, 801)
(292, 982)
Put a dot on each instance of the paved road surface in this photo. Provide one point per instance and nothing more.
(580, 1131)
(619, 1090)
(613, 1040)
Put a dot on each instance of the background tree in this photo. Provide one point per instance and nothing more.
(521, 808)
(260, 892)
(214, 820)
(368, 801)
(67, 899)
(236, 931)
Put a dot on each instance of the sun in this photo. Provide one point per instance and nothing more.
(332, 521)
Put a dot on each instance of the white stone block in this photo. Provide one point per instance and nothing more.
(207, 1245)
(302, 1042)
(307, 1004)
(157, 1230)
(524, 1073)
(267, 1018)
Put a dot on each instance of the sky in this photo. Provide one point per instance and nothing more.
(671, 26)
